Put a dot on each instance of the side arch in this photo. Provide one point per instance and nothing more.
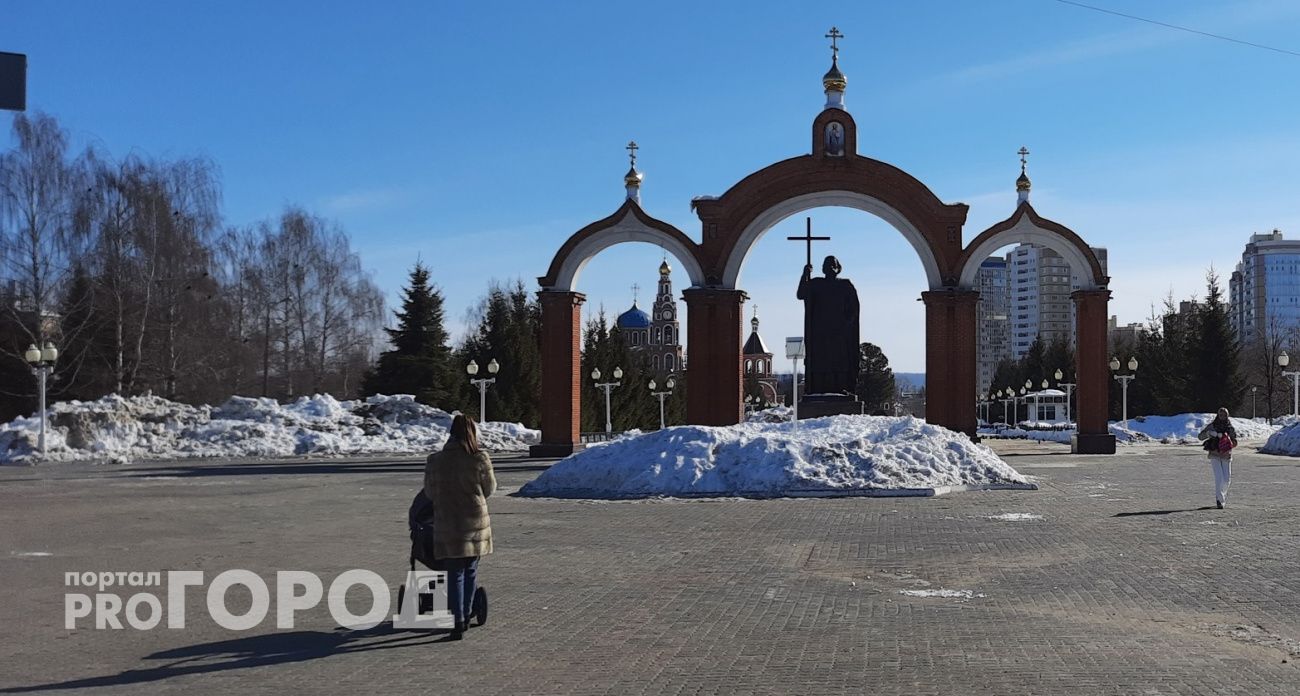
(628, 224)
(1025, 225)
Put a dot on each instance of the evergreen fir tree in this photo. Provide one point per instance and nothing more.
(1216, 355)
(420, 362)
(875, 387)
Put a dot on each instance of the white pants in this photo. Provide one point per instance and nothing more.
(1222, 476)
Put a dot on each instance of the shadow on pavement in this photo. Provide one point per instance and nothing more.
(1161, 512)
(252, 651)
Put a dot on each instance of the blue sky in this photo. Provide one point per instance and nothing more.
(479, 136)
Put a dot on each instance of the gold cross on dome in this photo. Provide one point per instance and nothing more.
(635, 290)
(1023, 152)
(631, 148)
(835, 36)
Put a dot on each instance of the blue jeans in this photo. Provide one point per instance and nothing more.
(461, 580)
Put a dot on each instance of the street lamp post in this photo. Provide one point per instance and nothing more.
(1025, 399)
(1283, 360)
(1125, 379)
(607, 386)
(1008, 397)
(42, 362)
(472, 369)
(1069, 389)
(794, 350)
(669, 384)
(1253, 389)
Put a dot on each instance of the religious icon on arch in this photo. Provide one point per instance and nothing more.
(834, 139)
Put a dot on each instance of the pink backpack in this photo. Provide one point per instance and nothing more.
(1225, 444)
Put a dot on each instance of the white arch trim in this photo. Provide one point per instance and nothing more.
(1025, 231)
(844, 199)
(627, 229)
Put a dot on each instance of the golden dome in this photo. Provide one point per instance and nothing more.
(834, 80)
(633, 177)
(665, 269)
(1022, 182)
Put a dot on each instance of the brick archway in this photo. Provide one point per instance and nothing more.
(1090, 302)
(833, 174)
(735, 221)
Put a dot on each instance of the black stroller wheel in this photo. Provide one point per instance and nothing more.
(401, 595)
(480, 606)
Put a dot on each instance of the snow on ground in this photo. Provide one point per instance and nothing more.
(1181, 429)
(119, 428)
(1016, 517)
(945, 594)
(832, 455)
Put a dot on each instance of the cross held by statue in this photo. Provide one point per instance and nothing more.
(809, 239)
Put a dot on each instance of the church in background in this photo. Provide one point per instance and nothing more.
(656, 335)
(758, 363)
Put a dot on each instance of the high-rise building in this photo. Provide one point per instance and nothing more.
(656, 335)
(993, 323)
(1040, 305)
(1264, 290)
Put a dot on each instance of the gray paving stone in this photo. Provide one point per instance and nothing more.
(1127, 584)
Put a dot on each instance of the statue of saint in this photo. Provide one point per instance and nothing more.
(830, 329)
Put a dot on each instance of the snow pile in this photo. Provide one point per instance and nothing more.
(1023, 434)
(832, 455)
(1183, 428)
(1285, 441)
(150, 427)
(776, 414)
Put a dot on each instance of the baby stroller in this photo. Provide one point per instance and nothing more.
(419, 520)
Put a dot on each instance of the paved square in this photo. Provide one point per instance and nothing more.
(1117, 577)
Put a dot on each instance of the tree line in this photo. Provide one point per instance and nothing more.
(126, 265)
(1190, 360)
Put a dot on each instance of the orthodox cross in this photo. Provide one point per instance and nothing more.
(755, 311)
(631, 148)
(834, 36)
(635, 289)
(1023, 152)
(809, 239)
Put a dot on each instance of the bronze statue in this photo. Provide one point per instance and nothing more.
(830, 329)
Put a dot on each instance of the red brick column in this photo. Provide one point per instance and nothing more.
(1093, 374)
(561, 373)
(950, 358)
(714, 321)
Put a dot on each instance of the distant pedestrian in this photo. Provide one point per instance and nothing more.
(1220, 439)
(459, 480)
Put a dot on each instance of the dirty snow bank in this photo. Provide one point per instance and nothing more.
(836, 454)
(119, 428)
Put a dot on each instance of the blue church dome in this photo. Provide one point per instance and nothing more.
(634, 319)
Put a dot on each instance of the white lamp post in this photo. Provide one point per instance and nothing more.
(1125, 379)
(1069, 389)
(1025, 399)
(42, 362)
(1283, 360)
(794, 350)
(472, 369)
(607, 386)
(669, 384)
(1008, 397)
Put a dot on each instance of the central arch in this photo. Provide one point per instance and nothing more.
(836, 198)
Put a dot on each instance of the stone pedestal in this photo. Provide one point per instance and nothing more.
(820, 405)
(1085, 443)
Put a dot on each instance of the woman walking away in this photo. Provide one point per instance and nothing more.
(458, 480)
(1220, 439)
